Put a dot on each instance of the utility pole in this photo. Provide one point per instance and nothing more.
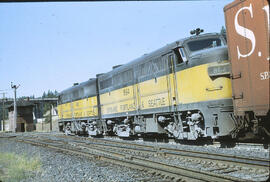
(3, 110)
(15, 87)
(51, 107)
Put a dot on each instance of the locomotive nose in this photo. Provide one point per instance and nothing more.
(210, 55)
(218, 58)
(221, 67)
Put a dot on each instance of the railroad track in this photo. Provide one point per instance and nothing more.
(254, 162)
(215, 162)
(152, 159)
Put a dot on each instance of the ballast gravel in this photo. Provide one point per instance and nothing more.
(62, 167)
(251, 152)
(66, 168)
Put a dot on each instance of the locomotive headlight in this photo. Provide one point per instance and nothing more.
(219, 70)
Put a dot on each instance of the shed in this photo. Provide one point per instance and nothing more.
(25, 120)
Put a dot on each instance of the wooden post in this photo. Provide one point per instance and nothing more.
(51, 107)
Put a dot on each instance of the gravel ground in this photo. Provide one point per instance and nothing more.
(236, 151)
(61, 167)
(243, 172)
(247, 173)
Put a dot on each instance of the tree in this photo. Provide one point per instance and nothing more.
(49, 94)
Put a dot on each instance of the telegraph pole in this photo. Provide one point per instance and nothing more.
(3, 110)
(15, 87)
(51, 107)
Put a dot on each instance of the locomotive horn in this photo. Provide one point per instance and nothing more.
(196, 31)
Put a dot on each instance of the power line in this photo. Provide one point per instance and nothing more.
(4, 90)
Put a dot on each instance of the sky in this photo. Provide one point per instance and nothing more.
(51, 45)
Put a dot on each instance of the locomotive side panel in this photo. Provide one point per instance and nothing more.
(66, 111)
(195, 85)
(247, 25)
(154, 85)
(79, 109)
(154, 93)
(85, 108)
(118, 101)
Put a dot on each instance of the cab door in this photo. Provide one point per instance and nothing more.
(176, 59)
(172, 81)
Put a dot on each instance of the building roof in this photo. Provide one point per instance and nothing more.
(21, 103)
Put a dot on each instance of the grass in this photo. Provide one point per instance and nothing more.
(15, 168)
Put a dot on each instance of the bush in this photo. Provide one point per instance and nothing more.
(15, 168)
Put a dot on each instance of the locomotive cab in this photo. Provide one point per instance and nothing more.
(203, 89)
(207, 48)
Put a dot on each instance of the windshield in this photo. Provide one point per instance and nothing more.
(198, 45)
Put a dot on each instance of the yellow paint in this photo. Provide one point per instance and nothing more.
(59, 108)
(121, 94)
(118, 107)
(85, 107)
(81, 108)
(120, 100)
(65, 111)
(154, 101)
(193, 85)
(194, 82)
(154, 93)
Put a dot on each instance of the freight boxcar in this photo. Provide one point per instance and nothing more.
(247, 23)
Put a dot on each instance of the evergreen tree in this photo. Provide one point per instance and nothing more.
(48, 94)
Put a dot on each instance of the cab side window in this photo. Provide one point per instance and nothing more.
(180, 55)
(182, 52)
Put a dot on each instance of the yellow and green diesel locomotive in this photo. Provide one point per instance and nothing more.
(182, 90)
(77, 106)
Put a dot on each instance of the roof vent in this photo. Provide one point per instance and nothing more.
(74, 84)
(114, 67)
